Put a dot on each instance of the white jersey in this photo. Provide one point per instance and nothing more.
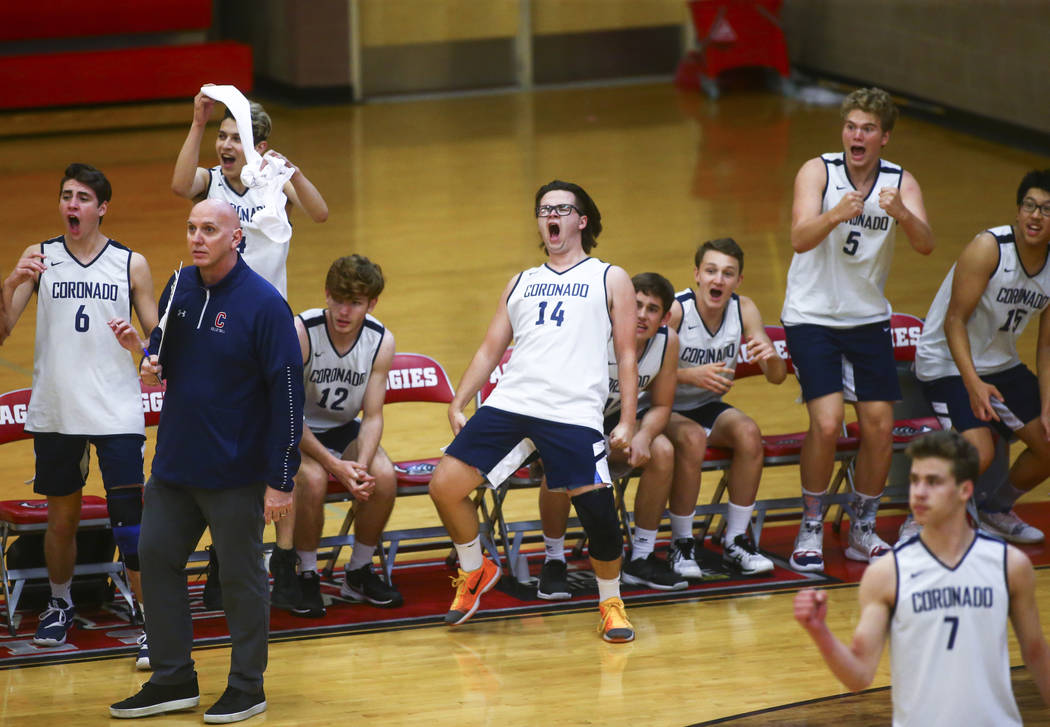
(84, 381)
(561, 328)
(698, 346)
(650, 360)
(839, 282)
(948, 647)
(263, 255)
(1011, 298)
(335, 384)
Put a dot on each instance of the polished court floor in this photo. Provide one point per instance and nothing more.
(440, 193)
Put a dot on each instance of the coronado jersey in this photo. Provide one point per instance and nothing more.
(948, 650)
(1011, 298)
(84, 381)
(263, 254)
(335, 384)
(561, 327)
(698, 346)
(839, 282)
(650, 360)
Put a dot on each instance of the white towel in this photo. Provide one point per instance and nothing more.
(272, 219)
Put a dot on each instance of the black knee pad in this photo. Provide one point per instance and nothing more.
(596, 510)
(125, 516)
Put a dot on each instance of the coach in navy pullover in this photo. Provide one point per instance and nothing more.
(227, 449)
(233, 411)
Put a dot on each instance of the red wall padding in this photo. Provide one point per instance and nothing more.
(29, 20)
(132, 74)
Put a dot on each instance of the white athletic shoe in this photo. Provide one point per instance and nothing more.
(682, 561)
(864, 543)
(808, 554)
(742, 555)
(909, 529)
(1010, 527)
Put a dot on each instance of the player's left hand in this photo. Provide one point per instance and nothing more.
(890, 201)
(276, 505)
(126, 334)
(811, 608)
(278, 157)
(639, 453)
(759, 350)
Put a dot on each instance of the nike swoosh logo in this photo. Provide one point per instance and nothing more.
(56, 264)
(1005, 270)
(838, 187)
(474, 590)
(692, 327)
(916, 574)
(318, 354)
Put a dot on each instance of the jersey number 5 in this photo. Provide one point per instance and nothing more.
(852, 243)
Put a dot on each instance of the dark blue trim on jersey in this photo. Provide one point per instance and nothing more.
(1012, 239)
(977, 534)
(222, 180)
(682, 298)
(605, 287)
(882, 168)
(375, 326)
(89, 264)
(131, 290)
(1006, 575)
(511, 291)
(548, 266)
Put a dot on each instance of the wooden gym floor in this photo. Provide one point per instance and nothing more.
(440, 193)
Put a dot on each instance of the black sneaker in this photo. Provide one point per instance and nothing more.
(364, 584)
(554, 581)
(310, 604)
(286, 592)
(235, 705)
(212, 587)
(157, 699)
(653, 572)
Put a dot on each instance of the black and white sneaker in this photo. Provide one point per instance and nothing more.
(742, 556)
(235, 705)
(554, 581)
(653, 572)
(158, 699)
(311, 603)
(364, 584)
(682, 559)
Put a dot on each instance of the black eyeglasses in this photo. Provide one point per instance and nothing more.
(556, 210)
(1029, 206)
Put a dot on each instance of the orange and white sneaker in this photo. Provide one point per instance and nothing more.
(614, 625)
(469, 587)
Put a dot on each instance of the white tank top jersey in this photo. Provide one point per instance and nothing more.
(263, 255)
(839, 283)
(561, 327)
(949, 661)
(335, 385)
(698, 346)
(649, 363)
(84, 381)
(1011, 298)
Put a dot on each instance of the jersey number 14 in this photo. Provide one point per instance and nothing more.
(557, 315)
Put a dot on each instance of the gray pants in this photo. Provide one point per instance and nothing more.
(173, 520)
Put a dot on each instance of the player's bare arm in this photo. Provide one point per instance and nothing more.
(1024, 615)
(302, 193)
(19, 285)
(189, 180)
(853, 665)
(371, 431)
(497, 338)
(712, 376)
(1042, 364)
(809, 226)
(143, 302)
(622, 310)
(661, 392)
(975, 266)
(906, 207)
(758, 345)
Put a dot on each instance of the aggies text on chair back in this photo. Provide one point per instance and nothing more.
(13, 407)
(416, 377)
(746, 367)
(905, 330)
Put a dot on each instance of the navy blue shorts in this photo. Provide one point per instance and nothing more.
(62, 461)
(706, 414)
(951, 403)
(339, 438)
(497, 442)
(856, 361)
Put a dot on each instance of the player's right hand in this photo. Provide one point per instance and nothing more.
(851, 205)
(149, 369)
(202, 107)
(981, 401)
(457, 420)
(29, 267)
(811, 608)
(713, 377)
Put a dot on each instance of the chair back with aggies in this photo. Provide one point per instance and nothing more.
(413, 377)
(29, 516)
